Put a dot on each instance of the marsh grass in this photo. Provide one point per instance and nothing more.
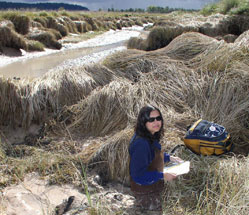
(9, 38)
(216, 188)
(137, 43)
(35, 46)
(89, 114)
(21, 22)
(48, 27)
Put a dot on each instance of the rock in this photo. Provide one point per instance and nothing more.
(65, 206)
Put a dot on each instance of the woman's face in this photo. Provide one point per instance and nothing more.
(155, 122)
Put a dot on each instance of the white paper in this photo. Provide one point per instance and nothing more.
(178, 168)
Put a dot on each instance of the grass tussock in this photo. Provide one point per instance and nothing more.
(160, 36)
(190, 45)
(46, 38)
(21, 22)
(113, 154)
(44, 96)
(9, 38)
(242, 40)
(107, 99)
(137, 43)
(213, 186)
(35, 46)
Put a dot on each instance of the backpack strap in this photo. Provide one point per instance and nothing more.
(175, 148)
(191, 128)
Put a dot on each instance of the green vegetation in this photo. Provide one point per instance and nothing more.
(21, 22)
(151, 9)
(35, 46)
(235, 7)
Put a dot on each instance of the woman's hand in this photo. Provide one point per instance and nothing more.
(176, 159)
(169, 176)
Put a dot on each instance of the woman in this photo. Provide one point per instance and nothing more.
(147, 160)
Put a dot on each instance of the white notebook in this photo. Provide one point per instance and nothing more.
(178, 168)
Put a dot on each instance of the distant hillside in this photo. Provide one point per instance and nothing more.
(40, 6)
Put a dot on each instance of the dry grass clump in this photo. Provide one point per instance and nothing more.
(69, 24)
(81, 26)
(115, 156)
(120, 60)
(46, 38)
(242, 40)
(35, 45)
(161, 36)
(51, 22)
(21, 22)
(100, 74)
(137, 43)
(56, 33)
(111, 25)
(34, 102)
(221, 58)
(189, 45)
(9, 38)
(131, 63)
(214, 185)
(12, 108)
(59, 88)
(92, 23)
(94, 116)
(112, 107)
(41, 20)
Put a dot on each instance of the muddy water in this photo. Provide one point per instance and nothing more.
(35, 67)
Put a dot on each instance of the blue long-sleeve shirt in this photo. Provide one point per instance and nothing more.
(141, 155)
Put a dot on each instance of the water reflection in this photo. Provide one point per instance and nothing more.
(36, 67)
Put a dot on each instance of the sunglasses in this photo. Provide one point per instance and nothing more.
(152, 119)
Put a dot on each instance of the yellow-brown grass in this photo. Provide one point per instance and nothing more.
(137, 43)
(189, 45)
(45, 37)
(94, 115)
(213, 186)
(193, 77)
(9, 38)
(58, 25)
(242, 40)
(114, 155)
(34, 101)
(21, 22)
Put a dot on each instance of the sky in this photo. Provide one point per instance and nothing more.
(126, 4)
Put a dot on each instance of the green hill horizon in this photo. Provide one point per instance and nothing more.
(41, 6)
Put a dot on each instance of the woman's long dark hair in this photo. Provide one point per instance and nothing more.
(143, 116)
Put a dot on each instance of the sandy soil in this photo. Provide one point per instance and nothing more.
(34, 196)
